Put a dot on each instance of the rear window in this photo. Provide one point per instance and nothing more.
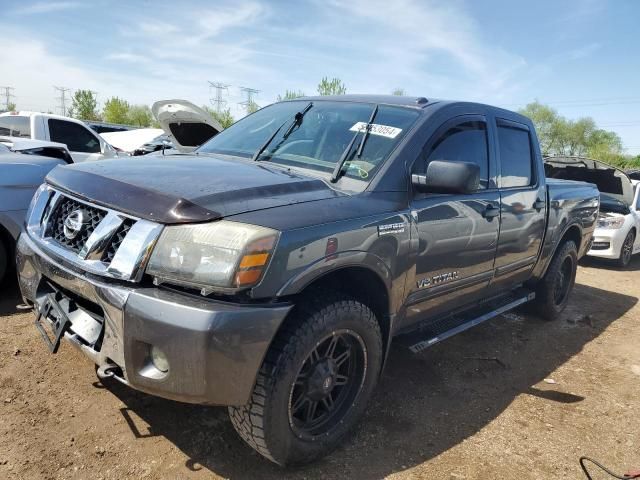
(516, 161)
(15, 126)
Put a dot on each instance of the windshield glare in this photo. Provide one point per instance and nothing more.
(317, 144)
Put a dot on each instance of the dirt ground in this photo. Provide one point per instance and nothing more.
(517, 397)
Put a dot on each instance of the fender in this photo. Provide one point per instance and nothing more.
(332, 263)
(548, 251)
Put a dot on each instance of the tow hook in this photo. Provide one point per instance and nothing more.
(105, 371)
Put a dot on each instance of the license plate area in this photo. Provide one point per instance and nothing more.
(52, 321)
(58, 314)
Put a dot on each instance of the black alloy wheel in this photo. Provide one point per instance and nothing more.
(329, 381)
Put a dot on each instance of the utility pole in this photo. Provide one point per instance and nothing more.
(218, 102)
(7, 96)
(249, 102)
(63, 99)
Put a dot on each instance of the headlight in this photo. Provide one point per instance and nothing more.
(211, 256)
(34, 199)
(610, 222)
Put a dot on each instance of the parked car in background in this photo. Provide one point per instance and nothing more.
(105, 127)
(617, 235)
(187, 125)
(634, 174)
(271, 270)
(23, 165)
(83, 143)
(140, 141)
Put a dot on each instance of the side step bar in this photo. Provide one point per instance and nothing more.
(438, 330)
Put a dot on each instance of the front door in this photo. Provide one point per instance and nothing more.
(456, 234)
(523, 204)
(82, 143)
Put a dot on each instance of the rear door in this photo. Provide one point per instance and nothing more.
(80, 141)
(523, 203)
(457, 234)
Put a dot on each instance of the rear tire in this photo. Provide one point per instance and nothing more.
(315, 382)
(553, 291)
(627, 250)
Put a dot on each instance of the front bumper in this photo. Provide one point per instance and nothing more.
(607, 242)
(214, 348)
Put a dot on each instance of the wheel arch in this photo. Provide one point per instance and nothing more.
(358, 281)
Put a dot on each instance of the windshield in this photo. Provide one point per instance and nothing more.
(321, 137)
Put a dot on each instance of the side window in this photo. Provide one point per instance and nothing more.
(516, 159)
(465, 142)
(15, 126)
(638, 199)
(76, 137)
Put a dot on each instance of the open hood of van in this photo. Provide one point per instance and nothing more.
(187, 125)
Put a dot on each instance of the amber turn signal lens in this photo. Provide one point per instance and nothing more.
(248, 277)
(254, 260)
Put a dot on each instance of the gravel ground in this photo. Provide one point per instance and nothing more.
(517, 397)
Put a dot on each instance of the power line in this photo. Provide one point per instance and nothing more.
(7, 96)
(218, 101)
(249, 102)
(63, 99)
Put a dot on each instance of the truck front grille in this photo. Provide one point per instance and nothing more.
(64, 208)
(95, 239)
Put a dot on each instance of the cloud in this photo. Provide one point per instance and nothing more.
(585, 51)
(46, 7)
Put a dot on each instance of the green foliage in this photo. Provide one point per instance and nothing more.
(84, 105)
(290, 95)
(116, 110)
(139, 116)
(561, 136)
(399, 92)
(11, 107)
(224, 117)
(331, 87)
(253, 107)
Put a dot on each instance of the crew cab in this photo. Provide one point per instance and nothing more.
(83, 143)
(271, 270)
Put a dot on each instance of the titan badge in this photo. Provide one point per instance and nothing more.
(429, 282)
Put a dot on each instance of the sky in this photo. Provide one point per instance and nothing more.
(580, 56)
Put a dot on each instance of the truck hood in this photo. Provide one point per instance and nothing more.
(187, 125)
(187, 188)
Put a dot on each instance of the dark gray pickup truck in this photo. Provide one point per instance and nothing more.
(270, 270)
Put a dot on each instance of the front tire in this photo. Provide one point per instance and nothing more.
(315, 382)
(627, 250)
(553, 291)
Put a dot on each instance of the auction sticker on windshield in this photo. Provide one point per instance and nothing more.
(376, 129)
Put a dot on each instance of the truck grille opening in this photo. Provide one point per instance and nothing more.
(66, 207)
(117, 240)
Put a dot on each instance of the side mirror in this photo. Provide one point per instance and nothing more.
(446, 176)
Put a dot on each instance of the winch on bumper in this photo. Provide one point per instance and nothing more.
(213, 349)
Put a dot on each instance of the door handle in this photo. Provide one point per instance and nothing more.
(491, 211)
(538, 204)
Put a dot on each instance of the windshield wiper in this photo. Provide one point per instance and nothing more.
(337, 171)
(297, 121)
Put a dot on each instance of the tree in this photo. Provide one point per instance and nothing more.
(290, 95)
(139, 115)
(11, 107)
(224, 117)
(561, 136)
(399, 92)
(116, 110)
(84, 105)
(252, 107)
(331, 87)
